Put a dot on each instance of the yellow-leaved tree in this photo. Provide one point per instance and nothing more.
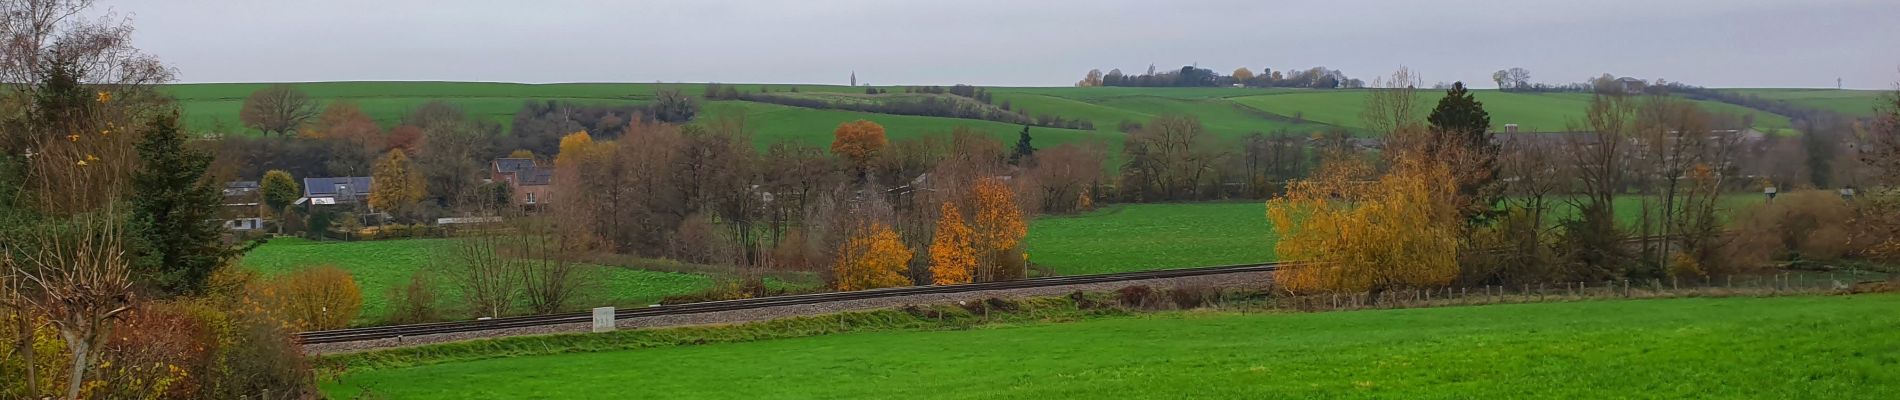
(952, 257)
(998, 229)
(1398, 231)
(397, 185)
(874, 257)
(575, 148)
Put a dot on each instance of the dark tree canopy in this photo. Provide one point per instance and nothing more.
(175, 211)
(1023, 148)
(1460, 116)
(1459, 121)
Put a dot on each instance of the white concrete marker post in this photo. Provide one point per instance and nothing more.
(603, 319)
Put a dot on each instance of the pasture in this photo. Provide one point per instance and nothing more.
(1136, 237)
(1857, 103)
(1780, 347)
(1226, 112)
(379, 266)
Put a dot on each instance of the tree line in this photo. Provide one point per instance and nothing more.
(1524, 209)
(1193, 76)
(970, 102)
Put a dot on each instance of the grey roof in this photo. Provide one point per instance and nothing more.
(513, 164)
(239, 188)
(535, 177)
(356, 186)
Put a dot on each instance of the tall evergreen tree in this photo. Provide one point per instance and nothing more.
(1460, 121)
(174, 210)
(1023, 148)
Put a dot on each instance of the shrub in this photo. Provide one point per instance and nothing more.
(150, 353)
(1193, 296)
(1136, 297)
(1084, 301)
(727, 289)
(1807, 224)
(414, 301)
(49, 358)
(323, 297)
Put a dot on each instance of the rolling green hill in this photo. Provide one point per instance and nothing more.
(1859, 103)
(1227, 112)
(1534, 112)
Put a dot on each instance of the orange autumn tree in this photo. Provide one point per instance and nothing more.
(952, 257)
(874, 257)
(998, 227)
(1398, 231)
(858, 141)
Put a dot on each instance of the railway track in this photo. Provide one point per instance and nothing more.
(398, 331)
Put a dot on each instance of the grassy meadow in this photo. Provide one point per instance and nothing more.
(1226, 112)
(378, 266)
(1836, 347)
(1138, 237)
(1858, 103)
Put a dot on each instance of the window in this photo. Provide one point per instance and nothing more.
(530, 197)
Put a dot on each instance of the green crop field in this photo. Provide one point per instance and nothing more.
(1138, 237)
(1858, 103)
(1834, 347)
(1152, 236)
(378, 266)
(1226, 112)
(1532, 112)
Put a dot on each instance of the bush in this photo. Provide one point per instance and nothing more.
(1141, 297)
(149, 354)
(413, 302)
(1807, 224)
(318, 298)
(727, 289)
(49, 359)
(1193, 296)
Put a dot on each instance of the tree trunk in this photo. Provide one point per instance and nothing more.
(26, 353)
(80, 350)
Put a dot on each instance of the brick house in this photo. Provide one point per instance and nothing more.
(531, 182)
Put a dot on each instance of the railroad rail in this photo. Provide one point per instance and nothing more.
(397, 331)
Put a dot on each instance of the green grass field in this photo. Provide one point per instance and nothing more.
(1152, 236)
(1532, 112)
(1137, 237)
(1226, 112)
(1858, 103)
(378, 266)
(1832, 347)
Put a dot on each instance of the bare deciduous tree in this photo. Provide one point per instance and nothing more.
(78, 277)
(1392, 105)
(277, 109)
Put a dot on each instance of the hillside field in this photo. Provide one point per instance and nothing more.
(1226, 112)
(1836, 347)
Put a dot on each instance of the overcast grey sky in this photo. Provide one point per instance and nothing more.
(1717, 43)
